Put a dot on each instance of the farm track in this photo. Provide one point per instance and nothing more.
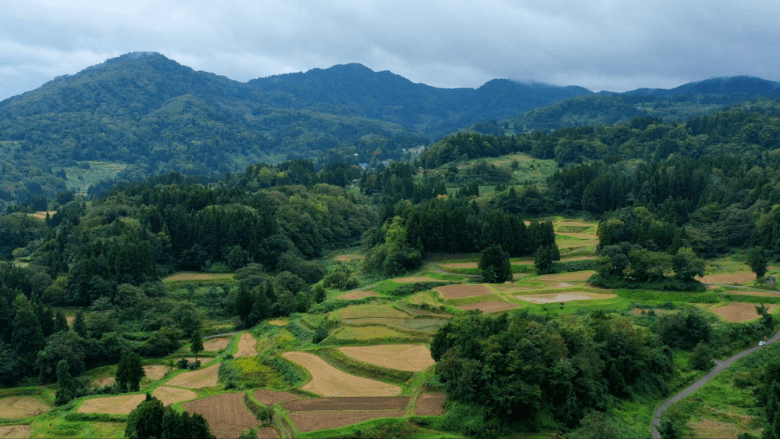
(720, 367)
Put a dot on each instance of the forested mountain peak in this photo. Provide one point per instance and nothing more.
(722, 85)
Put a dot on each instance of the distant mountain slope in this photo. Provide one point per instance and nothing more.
(680, 103)
(354, 89)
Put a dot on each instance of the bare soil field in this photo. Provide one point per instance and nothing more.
(320, 404)
(574, 276)
(189, 276)
(155, 372)
(206, 377)
(412, 358)
(413, 279)
(564, 297)
(576, 224)
(739, 312)
(172, 395)
(14, 431)
(460, 291)
(113, 405)
(460, 265)
(311, 421)
(271, 397)
(729, 278)
(246, 346)
(488, 307)
(18, 407)
(267, 433)
(430, 404)
(752, 293)
(215, 344)
(329, 381)
(357, 295)
(226, 414)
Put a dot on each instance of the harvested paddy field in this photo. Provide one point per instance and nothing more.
(19, 407)
(729, 278)
(155, 372)
(226, 414)
(246, 346)
(103, 382)
(411, 358)
(564, 297)
(271, 397)
(366, 333)
(112, 405)
(430, 404)
(279, 322)
(752, 293)
(460, 291)
(206, 377)
(14, 431)
(329, 381)
(267, 433)
(357, 295)
(42, 215)
(488, 307)
(191, 276)
(460, 265)
(740, 312)
(311, 421)
(172, 395)
(348, 258)
(574, 276)
(320, 404)
(413, 279)
(215, 344)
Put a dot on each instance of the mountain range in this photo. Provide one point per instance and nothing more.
(148, 114)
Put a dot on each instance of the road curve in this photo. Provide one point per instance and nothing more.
(719, 367)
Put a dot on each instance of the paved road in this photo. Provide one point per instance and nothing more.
(719, 367)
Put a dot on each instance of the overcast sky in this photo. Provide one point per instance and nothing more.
(598, 44)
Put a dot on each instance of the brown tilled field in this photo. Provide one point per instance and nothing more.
(574, 276)
(729, 278)
(413, 279)
(488, 307)
(740, 312)
(430, 404)
(14, 431)
(311, 421)
(206, 377)
(460, 265)
(226, 414)
(357, 295)
(155, 372)
(18, 407)
(564, 297)
(267, 433)
(112, 405)
(460, 291)
(320, 404)
(216, 344)
(412, 358)
(172, 395)
(271, 397)
(752, 293)
(246, 346)
(329, 381)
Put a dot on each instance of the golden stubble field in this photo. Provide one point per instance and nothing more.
(226, 414)
(247, 346)
(18, 407)
(14, 431)
(198, 379)
(329, 381)
(112, 405)
(407, 357)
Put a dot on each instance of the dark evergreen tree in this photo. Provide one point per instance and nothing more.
(80, 325)
(27, 336)
(129, 372)
(146, 420)
(65, 384)
(495, 265)
(196, 344)
(757, 259)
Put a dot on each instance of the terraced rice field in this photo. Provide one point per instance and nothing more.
(320, 404)
(369, 311)
(740, 312)
(190, 276)
(102, 382)
(246, 346)
(752, 293)
(267, 433)
(357, 295)
(329, 381)
(413, 279)
(172, 395)
(488, 307)
(279, 322)
(198, 379)
(366, 333)
(729, 278)
(574, 276)
(430, 404)
(564, 297)
(215, 344)
(226, 414)
(312, 421)
(112, 405)
(411, 358)
(19, 407)
(155, 372)
(14, 431)
(271, 397)
(460, 291)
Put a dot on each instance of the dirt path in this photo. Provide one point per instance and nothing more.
(719, 367)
